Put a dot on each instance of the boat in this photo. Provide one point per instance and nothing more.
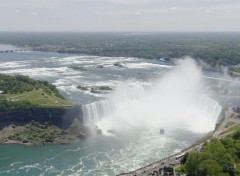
(161, 131)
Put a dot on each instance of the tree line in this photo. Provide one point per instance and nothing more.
(14, 84)
(217, 158)
(212, 48)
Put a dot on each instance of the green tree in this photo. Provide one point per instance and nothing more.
(227, 162)
(237, 147)
(209, 167)
(236, 135)
(192, 163)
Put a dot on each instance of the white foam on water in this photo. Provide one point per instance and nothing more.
(146, 65)
(174, 102)
(72, 60)
(15, 64)
(41, 71)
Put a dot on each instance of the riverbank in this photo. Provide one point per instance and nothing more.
(35, 133)
(33, 112)
(229, 123)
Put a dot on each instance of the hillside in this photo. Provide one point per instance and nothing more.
(18, 91)
(34, 112)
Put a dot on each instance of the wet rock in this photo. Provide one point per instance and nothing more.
(78, 68)
(82, 135)
(25, 141)
(111, 131)
(82, 87)
(63, 132)
(101, 89)
(118, 64)
(100, 66)
(49, 140)
(13, 126)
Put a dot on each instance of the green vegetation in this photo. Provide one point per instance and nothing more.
(229, 124)
(234, 128)
(40, 98)
(22, 92)
(20, 84)
(6, 105)
(235, 71)
(213, 48)
(37, 133)
(217, 158)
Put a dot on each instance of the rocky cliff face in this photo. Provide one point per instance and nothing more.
(62, 117)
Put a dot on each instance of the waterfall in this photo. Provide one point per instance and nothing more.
(210, 107)
(95, 111)
(206, 110)
(173, 101)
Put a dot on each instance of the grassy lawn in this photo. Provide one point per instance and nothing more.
(230, 123)
(39, 97)
(234, 128)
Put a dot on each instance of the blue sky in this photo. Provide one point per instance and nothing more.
(120, 15)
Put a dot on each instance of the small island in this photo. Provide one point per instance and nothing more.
(96, 89)
(34, 112)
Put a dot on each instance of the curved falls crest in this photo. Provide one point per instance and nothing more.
(173, 101)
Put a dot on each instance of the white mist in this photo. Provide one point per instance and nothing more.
(172, 102)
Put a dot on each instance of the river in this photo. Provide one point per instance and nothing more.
(128, 149)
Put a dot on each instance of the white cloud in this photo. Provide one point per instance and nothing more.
(120, 15)
(174, 8)
(34, 13)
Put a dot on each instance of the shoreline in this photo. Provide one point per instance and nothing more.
(172, 160)
(35, 133)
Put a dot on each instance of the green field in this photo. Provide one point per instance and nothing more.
(39, 97)
(234, 128)
(230, 124)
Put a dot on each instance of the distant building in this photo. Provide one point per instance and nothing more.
(166, 171)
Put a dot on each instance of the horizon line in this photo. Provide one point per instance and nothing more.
(137, 32)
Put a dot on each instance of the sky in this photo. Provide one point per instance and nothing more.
(120, 15)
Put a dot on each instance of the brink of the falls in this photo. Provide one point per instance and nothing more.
(173, 101)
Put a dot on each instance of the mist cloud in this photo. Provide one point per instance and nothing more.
(173, 102)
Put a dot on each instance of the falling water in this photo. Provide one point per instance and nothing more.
(94, 112)
(104, 109)
(173, 101)
(210, 107)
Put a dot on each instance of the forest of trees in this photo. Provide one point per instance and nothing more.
(212, 48)
(15, 84)
(217, 158)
